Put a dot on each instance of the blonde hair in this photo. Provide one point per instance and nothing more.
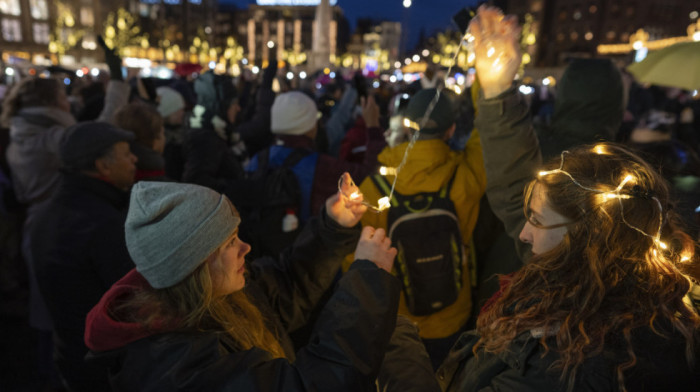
(191, 305)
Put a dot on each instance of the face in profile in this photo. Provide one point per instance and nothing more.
(545, 228)
(119, 166)
(227, 270)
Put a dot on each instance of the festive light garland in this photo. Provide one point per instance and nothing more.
(615, 194)
(384, 202)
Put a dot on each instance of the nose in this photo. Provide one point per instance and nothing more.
(526, 233)
(245, 248)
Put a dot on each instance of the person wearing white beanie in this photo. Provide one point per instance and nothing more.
(171, 105)
(193, 315)
(294, 113)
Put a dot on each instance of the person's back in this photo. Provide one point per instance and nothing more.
(588, 107)
(430, 167)
(78, 241)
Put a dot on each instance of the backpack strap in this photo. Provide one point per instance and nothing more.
(295, 156)
(384, 188)
(445, 191)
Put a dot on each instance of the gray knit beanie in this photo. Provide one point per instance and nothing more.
(172, 228)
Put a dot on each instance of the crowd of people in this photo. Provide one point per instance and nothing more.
(214, 234)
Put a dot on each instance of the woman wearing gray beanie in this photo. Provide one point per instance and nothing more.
(193, 315)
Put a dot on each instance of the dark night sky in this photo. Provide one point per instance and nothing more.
(429, 14)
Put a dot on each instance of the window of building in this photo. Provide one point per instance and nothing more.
(87, 17)
(610, 35)
(39, 9)
(40, 31)
(630, 11)
(576, 15)
(573, 36)
(10, 7)
(593, 9)
(536, 6)
(11, 30)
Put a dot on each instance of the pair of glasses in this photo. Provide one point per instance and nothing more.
(528, 212)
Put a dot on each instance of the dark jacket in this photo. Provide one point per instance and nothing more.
(344, 353)
(318, 173)
(588, 107)
(661, 366)
(150, 165)
(79, 249)
(209, 161)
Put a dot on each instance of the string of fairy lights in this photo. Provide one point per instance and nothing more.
(617, 194)
(384, 202)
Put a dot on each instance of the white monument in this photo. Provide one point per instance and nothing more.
(321, 49)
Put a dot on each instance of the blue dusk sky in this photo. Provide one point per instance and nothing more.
(428, 14)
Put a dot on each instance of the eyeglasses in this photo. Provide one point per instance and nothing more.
(528, 212)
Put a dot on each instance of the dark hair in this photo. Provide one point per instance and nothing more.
(30, 92)
(142, 119)
(610, 274)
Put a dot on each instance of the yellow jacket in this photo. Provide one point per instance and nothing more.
(429, 166)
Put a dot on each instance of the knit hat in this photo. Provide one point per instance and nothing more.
(88, 141)
(441, 118)
(172, 228)
(170, 101)
(293, 113)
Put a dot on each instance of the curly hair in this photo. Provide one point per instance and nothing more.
(142, 119)
(612, 273)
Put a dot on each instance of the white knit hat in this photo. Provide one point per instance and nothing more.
(170, 101)
(293, 113)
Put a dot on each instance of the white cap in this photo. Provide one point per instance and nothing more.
(293, 113)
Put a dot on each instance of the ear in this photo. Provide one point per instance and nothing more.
(103, 167)
(450, 131)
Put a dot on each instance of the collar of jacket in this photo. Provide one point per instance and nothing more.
(100, 188)
(149, 160)
(295, 141)
(34, 119)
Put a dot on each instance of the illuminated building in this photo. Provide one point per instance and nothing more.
(289, 25)
(568, 28)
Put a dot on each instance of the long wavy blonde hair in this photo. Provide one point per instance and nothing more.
(191, 305)
(605, 278)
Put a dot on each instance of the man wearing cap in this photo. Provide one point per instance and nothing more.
(78, 242)
(429, 167)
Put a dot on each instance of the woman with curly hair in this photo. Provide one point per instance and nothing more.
(600, 305)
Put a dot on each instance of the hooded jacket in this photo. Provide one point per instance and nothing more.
(428, 169)
(344, 353)
(588, 107)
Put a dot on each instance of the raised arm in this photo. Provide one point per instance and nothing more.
(510, 147)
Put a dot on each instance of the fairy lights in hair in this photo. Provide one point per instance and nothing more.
(605, 195)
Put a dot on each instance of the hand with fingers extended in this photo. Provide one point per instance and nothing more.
(342, 207)
(496, 48)
(370, 111)
(375, 246)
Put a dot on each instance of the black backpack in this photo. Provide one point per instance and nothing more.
(425, 229)
(273, 192)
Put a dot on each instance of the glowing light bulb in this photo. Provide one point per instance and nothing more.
(410, 124)
(686, 256)
(387, 171)
(661, 244)
(548, 172)
(599, 149)
(384, 203)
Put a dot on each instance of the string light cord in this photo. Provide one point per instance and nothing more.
(384, 201)
(615, 194)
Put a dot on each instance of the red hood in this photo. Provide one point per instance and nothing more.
(104, 333)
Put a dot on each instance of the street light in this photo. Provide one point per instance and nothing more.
(425, 52)
(270, 44)
(406, 3)
(416, 58)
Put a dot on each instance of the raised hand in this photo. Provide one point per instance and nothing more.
(346, 207)
(375, 246)
(496, 48)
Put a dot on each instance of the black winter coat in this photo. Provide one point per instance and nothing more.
(344, 353)
(661, 366)
(79, 251)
